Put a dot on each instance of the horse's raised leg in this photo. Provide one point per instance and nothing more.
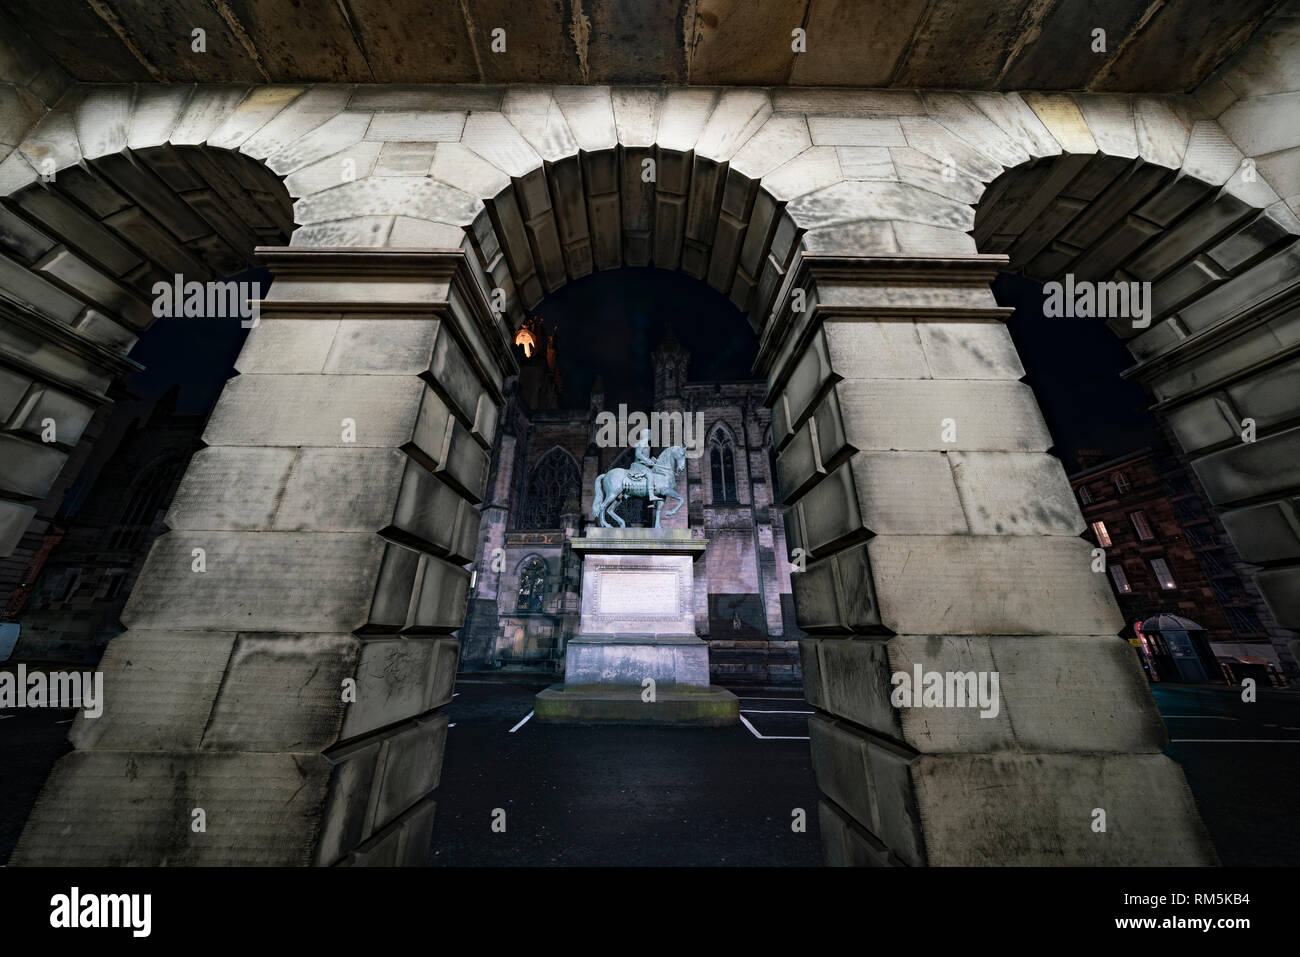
(680, 501)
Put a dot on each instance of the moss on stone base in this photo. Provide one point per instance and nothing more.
(594, 705)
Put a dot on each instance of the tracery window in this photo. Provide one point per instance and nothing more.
(532, 586)
(551, 481)
(722, 465)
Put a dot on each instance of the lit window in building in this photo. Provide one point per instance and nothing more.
(532, 585)
(1084, 495)
(723, 466)
(1121, 482)
(1103, 537)
(1120, 579)
(1142, 526)
(1163, 575)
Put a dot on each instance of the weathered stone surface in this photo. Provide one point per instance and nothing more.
(142, 709)
(914, 415)
(926, 808)
(282, 692)
(944, 585)
(1109, 708)
(231, 488)
(131, 807)
(244, 584)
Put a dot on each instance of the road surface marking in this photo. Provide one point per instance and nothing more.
(750, 697)
(771, 737)
(760, 711)
(1230, 740)
(1216, 717)
(521, 723)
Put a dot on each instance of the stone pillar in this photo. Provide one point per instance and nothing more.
(937, 531)
(276, 697)
(1225, 371)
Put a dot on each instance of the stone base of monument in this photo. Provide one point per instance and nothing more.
(636, 659)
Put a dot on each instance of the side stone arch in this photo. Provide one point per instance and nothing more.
(330, 515)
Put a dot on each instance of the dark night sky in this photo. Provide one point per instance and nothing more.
(611, 321)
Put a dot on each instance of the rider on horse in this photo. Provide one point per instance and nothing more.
(646, 466)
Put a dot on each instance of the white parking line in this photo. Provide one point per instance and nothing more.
(1216, 717)
(750, 697)
(1229, 740)
(760, 711)
(771, 737)
(521, 723)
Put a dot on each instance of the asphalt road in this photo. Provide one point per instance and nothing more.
(723, 796)
(1242, 763)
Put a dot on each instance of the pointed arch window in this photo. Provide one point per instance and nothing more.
(722, 465)
(532, 586)
(147, 499)
(552, 480)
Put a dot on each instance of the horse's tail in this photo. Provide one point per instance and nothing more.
(599, 499)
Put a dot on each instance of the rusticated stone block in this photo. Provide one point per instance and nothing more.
(870, 778)
(258, 581)
(836, 595)
(1037, 809)
(1268, 466)
(142, 711)
(118, 808)
(1266, 533)
(410, 766)
(282, 692)
(1281, 590)
(1109, 708)
(959, 585)
(441, 597)
(231, 488)
(303, 410)
(1013, 808)
(28, 468)
(399, 678)
(941, 415)
(846, 843)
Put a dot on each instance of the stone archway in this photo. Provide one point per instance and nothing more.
(829, 217)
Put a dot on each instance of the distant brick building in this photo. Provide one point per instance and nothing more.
(1167, 552)
(525, 606)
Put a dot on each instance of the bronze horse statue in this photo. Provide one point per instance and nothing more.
(614, 486)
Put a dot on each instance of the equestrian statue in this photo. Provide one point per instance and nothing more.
(650, 478)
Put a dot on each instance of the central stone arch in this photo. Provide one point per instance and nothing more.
(429, 219)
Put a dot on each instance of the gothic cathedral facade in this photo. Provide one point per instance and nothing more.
(524, 602)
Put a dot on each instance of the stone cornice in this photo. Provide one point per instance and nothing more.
(786, 333)
(1243, 321)
(70, 340)
(447, 267)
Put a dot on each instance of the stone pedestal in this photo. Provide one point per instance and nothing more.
(638, 623)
